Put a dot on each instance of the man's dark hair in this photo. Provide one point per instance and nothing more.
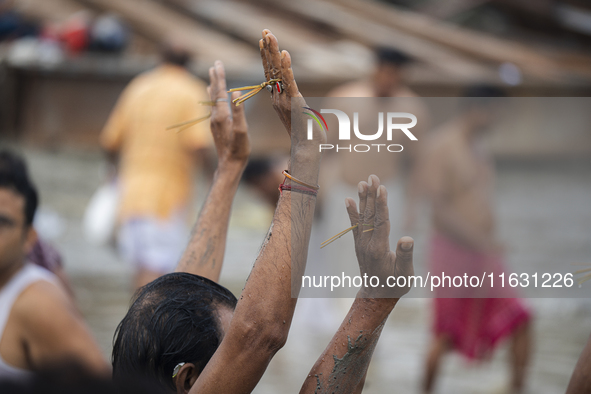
(14, 176)
(256, 168)
(176, 55)
(483, 90)
(389, 55)
(173, 319)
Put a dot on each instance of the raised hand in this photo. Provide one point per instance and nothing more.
(229, 133)
(372, 244)
(264, 312)
(204, 254)
(277, 65)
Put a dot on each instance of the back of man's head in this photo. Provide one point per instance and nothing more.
(175, 51)
(391, 56)
(14, 176)
(174, 319)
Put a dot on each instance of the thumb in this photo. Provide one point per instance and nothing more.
(404, 252)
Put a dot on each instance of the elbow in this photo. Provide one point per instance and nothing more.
(265, 335)
(274, 339)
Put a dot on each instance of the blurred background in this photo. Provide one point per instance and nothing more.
(63, 64)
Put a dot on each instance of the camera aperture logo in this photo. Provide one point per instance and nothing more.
(345, 130)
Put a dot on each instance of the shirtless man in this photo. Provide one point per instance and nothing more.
(386, 82)
(193, 335)
(39, 324)
(342, 170)
(458, 177)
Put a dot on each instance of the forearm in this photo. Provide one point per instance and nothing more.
(265, 309)
(284, 254)
(342, 367)
(205, 252)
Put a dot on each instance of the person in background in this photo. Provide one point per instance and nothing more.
(397, 171)
(387, 79)
(263, 175)
(156, 166)
(383, 90)
(39, 323)
(458, 174)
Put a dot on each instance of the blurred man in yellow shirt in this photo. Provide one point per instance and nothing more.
(156, 165)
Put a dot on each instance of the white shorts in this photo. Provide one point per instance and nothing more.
(152, 243)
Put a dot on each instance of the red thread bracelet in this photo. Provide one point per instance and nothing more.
(297, 189)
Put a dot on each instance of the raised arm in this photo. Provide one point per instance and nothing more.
(263, 315)
(342, 367)
(204, 254)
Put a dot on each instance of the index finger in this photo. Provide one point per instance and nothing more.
(217, 76)
(273, 57)
(263, 50)
(217, 90)
(287, 78)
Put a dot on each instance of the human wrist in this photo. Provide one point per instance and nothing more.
(369, 296)
(306, 152)
(378, 308)
(232, 164)
(305, 164)
(230, 170)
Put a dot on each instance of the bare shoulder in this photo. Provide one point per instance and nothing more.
(43, 303)
(197, 82)
(54, 330)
